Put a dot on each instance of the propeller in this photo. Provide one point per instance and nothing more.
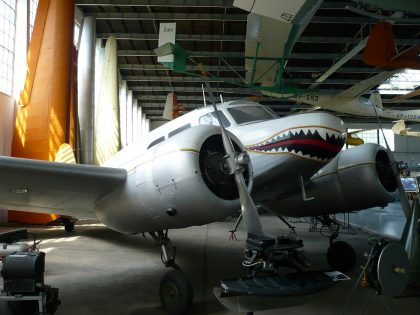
(235, 162)
(405, 204)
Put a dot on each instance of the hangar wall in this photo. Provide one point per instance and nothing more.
(407, 149)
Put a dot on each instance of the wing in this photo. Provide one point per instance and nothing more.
(366, 85)
(66, 189)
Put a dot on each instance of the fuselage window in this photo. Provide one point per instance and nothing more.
(211, 119)
(172, 133)
(246, 114)
(153, 143)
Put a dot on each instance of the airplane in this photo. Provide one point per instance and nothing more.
(401, 129)
(176, 177)
(352, 102)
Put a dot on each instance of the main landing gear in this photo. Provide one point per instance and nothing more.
(175, 290)
(340, 254)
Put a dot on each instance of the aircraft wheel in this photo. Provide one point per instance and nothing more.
(69, 226)
(341, 256)
(175, 292)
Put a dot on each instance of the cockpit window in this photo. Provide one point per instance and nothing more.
(246, 114)
(211, 119)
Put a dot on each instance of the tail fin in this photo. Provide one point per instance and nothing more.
(380, 47)
(172, 108)
(169, 106)
(65, 154)
(375, 99)
(399, 127)
(381, 51)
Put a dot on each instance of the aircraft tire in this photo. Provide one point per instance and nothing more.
(341, 256)
(175, 292)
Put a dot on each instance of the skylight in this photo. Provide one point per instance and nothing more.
(403, 82)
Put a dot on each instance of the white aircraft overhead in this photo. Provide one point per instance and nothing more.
(270, 38)
(351, 102)
(176, 176)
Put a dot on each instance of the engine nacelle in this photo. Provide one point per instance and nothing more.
(181, 182)
(356, 179)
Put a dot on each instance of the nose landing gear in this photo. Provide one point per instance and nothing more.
(175, 289)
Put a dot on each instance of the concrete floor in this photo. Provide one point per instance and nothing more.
(99, 271)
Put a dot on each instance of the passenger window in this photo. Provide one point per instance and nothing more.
(172, 133)
(211, 119)
(153, 143)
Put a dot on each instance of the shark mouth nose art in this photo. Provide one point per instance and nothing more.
(315, 143)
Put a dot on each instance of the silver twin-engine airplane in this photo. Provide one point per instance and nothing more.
(176, 176)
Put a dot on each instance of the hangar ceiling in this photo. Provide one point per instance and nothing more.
(328, 51)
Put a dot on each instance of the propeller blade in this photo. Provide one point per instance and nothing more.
(249, 211)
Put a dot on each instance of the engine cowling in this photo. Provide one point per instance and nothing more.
(181, 182)
(356, 179)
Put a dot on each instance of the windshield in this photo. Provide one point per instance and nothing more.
(211, 119)
(245, 114)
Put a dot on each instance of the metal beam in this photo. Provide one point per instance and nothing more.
(184, 3)
(142, 98)
(172, 17)
(149, 53)
(179, 37)
(190, 89)
(356, 49)
(278, 107)
(236, 18)
(356, 20)
(235, 54)
(341, 70)
(191, 79)
(158, 3)
(159, 67)
(187, 79)
(241, 38)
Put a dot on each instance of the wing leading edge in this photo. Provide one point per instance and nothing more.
(66, 189)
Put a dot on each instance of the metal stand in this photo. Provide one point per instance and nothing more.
(41, 299)
(346, 227)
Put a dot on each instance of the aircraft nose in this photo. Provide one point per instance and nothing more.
(314, 136)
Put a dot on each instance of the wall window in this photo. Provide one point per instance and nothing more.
(375, 136)
(7, 44)
(32, 13)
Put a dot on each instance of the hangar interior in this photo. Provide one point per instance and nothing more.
(82, 81)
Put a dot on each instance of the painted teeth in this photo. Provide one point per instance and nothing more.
(323, 134)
